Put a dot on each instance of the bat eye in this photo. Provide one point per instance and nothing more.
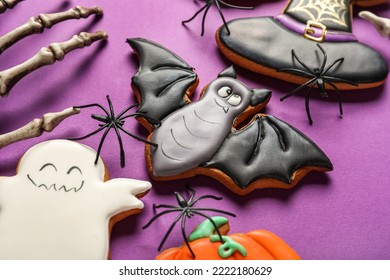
(224, 91)
(234, 100)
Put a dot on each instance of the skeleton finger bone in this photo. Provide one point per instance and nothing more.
(46, 56)
(37, 126)
(38, 24)
(381, 23)
(8, 4)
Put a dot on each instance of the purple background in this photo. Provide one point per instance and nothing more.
(344, 214)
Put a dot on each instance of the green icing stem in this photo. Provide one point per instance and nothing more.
(228, 247)
(206, 228)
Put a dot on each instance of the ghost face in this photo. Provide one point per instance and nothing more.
(62, 166)
(50, 178)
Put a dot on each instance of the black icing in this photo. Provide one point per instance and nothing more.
(259, 96)
(266, 42)
(162, 79)
(267, 148)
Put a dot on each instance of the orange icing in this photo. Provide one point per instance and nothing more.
(259, 244)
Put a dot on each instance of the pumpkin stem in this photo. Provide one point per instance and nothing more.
(206, 228)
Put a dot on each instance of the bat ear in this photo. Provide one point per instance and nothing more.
(228, 72)
(260, 96)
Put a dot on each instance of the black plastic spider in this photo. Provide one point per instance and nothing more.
(207, 6)
(187, 210)
(110, 120)
(318, 78)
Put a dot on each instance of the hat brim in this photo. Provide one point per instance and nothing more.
(264, 46)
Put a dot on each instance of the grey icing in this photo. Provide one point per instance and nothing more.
(162, 79)
(192, 135)
(267, 148)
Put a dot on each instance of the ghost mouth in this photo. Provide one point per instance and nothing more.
(225, 109)
(54, 186)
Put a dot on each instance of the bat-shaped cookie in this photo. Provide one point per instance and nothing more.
(207, 137)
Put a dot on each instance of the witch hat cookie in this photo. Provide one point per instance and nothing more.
(265, 45)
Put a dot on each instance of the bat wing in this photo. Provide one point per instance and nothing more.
(163, 81)
(267, 153)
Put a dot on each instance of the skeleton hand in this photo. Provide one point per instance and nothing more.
(36, 127)
(46, 56)
(381, 23)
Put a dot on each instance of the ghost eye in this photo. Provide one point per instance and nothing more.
(234, 100)
(74, 168)
(48, 165)
(224, 91)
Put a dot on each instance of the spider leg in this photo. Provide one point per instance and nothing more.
(170, 229)
(100, 118)
(138, 138)
(126, 110)
(192, 195)
(296, 71)
(338, 97)
(235, 6)
(90, 134)
(158, 216)
(297, 89)
(340, 60)
(101, 142)
(205, 197)
(197, 13)
(204, 16)
(214, 224)
(307, 104)
(321, 87)
(122, 151)
(112, 114)
(93, 105)
(325, 58)
(222, 16)
(294, 55)
(183, 232)
(339, 80)
(165, 206)
(151, 120)
(215, 210)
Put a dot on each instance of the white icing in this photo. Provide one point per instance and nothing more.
(56, 215)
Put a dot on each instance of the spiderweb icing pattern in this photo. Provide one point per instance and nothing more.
(323, 11)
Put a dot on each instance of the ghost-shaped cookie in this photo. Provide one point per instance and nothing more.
(60, 206)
